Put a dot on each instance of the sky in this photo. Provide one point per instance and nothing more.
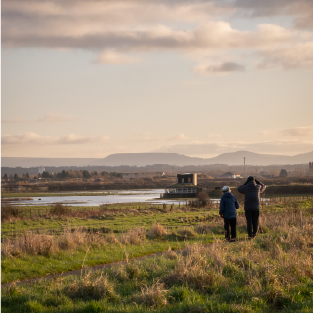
(88, 78)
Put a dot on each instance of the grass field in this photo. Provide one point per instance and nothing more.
(269, 274)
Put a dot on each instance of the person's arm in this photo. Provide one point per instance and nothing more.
(241, 188)
(222, 207)
(263, 187)
(237, 205)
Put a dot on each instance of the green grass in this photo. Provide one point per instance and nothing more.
(30, 266)
(117, 222)
(242, 278)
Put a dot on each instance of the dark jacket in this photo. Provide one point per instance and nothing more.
(251, 193)
(228, 205)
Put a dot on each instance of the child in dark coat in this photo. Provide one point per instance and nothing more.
(228, 210)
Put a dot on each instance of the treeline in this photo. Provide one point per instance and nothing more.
(64, 175)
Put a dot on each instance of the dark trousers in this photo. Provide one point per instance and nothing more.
(233, 224)
(252, 220)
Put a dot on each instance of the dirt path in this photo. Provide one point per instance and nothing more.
(78, 272)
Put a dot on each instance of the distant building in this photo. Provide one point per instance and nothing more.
(230, 175)
(41, 170)
(186, 186)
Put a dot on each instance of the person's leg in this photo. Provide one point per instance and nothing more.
(226, 226)
(233, 224)
(255, 218)
(248, 215)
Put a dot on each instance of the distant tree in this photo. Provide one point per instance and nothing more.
(5, 176)
(104, 173)
(23, 175)
(202, 197)
(27, 175)
(86, 174)
(283, 173)
(64, 174)
(45, 174)
(94, 173)
(15, 176)
(39, 175)
(11, 177)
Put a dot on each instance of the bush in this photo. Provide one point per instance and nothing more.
(91, 286)
(157, 230)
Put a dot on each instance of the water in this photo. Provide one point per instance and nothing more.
(121, 196)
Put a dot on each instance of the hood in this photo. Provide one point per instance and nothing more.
(251, 183)
(228, 195)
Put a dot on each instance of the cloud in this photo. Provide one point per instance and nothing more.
(49, 117)
(30, 138)
(116, 30)
(113, 57)
(220, 68)
(301, 10)
(178, 137)
(298, 56)
(306, 131)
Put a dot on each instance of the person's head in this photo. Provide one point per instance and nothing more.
(250, 178)
(226, 189)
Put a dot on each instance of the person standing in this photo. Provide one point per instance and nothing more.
(228, 210)
(252, 190)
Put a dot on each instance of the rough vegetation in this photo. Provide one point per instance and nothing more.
(272, 273)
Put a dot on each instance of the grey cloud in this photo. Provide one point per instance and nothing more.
(226, 67)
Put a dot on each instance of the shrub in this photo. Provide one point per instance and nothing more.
(157, 230)
(90, 286)
(152, 296)
(60, 210)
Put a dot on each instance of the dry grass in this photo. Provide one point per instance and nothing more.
(135, 236)
(187, 232)
(43, 244)
(191, 269)
(152, 296)
(157, 230)
(91, 286)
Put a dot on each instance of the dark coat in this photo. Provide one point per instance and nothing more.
(228, 205)
(251, 193)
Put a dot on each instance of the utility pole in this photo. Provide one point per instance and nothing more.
(244, 166)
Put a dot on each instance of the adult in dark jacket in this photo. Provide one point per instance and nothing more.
(228, 210)
(252, 190)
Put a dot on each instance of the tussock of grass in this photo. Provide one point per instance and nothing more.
(157, 230)
(152, 296)
(90, 286)
(135, 236)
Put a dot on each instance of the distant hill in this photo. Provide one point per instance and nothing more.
(234, 158)
(143, 159)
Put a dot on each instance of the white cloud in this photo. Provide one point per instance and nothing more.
(30, 138)
(298, 56)
(115, 30)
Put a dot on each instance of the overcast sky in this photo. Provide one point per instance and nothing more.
(88, 78)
